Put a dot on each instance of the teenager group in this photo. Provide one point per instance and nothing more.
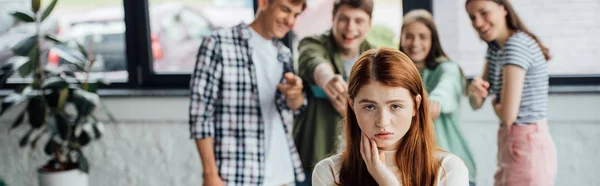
(358, 114)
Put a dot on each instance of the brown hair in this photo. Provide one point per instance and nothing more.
(513, 22)
(365, 5)
(436, 51)
(436, 54)
(296, 2)
(415, 157)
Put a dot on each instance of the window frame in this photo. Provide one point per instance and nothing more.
(139, 54)
(141, 75)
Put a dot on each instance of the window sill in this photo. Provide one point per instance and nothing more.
(574, 89)
(555, 89)
(131, 92)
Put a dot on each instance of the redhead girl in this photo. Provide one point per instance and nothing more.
(389, 135)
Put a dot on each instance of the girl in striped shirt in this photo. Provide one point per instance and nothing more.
(516, 76)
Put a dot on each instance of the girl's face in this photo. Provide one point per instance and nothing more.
(384, 113)
(488, 19)
(416, 41)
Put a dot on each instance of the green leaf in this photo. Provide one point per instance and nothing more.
(20, 64)
(48, 10)
(70, 74)
(11, 100)
(7, 67)
(19, 120)
(36, 110)
(24, 47)
(92, 87)
(60, 50)
(73, 81)
(24, 89)
(4, 78)
(83, 51)
(51, 147)
(83, 162)
(55, 83)
(53, 39)
(25, 138)
(34, 60)
(25, 69)
(53, 71)
(62, 71)
(85, 102)
(52, 99)
(62, 124)
(35, 5)
(6, 71)
(22, 16)
(84, 138)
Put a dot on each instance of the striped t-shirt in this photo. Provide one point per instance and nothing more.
(521, 50)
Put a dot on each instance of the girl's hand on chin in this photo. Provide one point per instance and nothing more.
(375, 162)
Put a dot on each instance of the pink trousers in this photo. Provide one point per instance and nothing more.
(526, 156)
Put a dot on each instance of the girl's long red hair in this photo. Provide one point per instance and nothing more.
(416, 153)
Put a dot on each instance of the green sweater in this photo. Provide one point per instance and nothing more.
(446, 85)
(316, 130)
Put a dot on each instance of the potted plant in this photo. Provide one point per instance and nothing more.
(57, 105)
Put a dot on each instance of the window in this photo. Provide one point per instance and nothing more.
(163, 36)
(96, 25)
(153, 43)
(177, 28)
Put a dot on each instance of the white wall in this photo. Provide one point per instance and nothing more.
(151, 146)
(569, 28)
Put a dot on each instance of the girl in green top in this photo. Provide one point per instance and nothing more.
(443, 79)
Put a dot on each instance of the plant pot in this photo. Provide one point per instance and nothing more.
(73, 177)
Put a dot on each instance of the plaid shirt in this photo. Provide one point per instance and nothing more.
(224, 105)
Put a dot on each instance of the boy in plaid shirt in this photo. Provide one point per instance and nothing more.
(244, 94)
